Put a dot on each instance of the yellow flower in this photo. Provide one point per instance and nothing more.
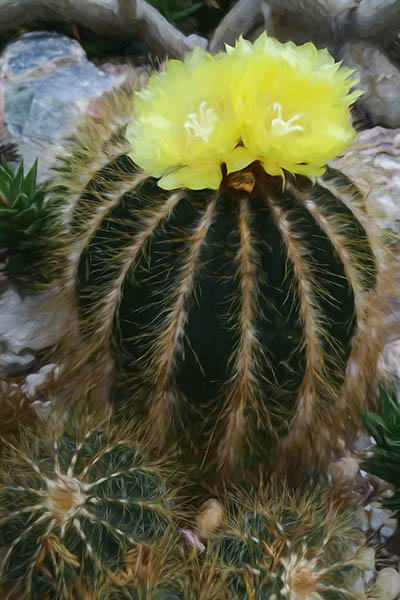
(280, 104)
(294, 106)
(184, 124)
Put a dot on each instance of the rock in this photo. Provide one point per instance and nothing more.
(209, 518)
(373, 163)
(344, 471)
(29, 323)
(379, 19)
(46, 83)
(197, 40)
(12, 364)
(34, 382)
(378, 516)
(379, 79)
(388, 529)
(387, 585)
(363, 443)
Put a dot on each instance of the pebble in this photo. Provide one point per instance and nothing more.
(378, 516)
(344, 471)
(388, 529)
(387, 585)
(35, 381)
(209, 518)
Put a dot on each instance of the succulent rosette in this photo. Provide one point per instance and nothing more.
(283, 105)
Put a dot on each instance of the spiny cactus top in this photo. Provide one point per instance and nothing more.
(282, 105)
(75, 506)
(242, 314)
(293, 546)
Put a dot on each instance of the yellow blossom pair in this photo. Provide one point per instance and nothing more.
(284, 105)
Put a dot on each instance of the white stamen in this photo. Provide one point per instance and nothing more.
(281, 127)
(202, 123)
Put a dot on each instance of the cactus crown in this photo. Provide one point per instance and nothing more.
(293, 545)
(75, 505)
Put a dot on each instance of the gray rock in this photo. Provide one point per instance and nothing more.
(29, 324)
(378, 516)
(11, 363)
(47, 84)
(379, 79)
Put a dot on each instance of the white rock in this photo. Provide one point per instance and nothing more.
(29, 323)
(388, 529)
(378, 516)
(387, 585)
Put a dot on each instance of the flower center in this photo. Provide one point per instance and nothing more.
(281, 127)
(201, 123)
(64, 497)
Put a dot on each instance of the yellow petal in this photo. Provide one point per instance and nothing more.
(238, 159)
(193, 177)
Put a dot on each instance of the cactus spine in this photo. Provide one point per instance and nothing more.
(74, 505)
(297, 546)
(279, 545)
(234, 318)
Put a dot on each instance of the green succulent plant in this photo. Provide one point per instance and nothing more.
(24, 220)
(73, 505)
(385, 429)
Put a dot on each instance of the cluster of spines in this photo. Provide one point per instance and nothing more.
(279, 546)
(118, 220)
(74, 505)
(285, 545)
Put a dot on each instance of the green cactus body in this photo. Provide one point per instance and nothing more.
(277, 545)
(298, 546)
(75, 507)
(234, 318)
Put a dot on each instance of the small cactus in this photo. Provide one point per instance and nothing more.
(74, 505)
(24, 215)
(285, 545)
(235, 317)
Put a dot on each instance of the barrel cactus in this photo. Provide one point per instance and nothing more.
(74, 505)
(233, 282)
(298, 546)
